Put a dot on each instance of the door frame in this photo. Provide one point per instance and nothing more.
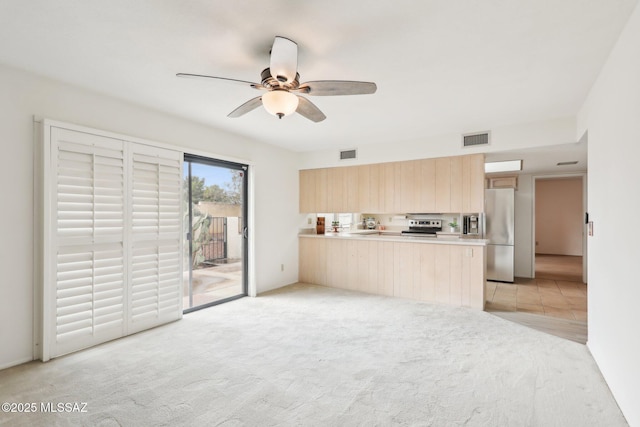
(583, 176)
(248, 286)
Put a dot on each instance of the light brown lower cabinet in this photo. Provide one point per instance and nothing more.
(447, 274)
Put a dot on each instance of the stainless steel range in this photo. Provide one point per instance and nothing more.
(424, 227)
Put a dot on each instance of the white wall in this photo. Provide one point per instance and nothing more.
(559, 216)
(611, 115)
(25, 95)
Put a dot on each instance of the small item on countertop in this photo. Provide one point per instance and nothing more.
(371, 223)
(320, 225)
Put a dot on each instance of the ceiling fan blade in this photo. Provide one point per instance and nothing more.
(337, 87)
(200, 76)
(284, 60)
(307, 109)
(250, 105)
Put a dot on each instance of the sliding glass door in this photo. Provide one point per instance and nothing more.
(216, 255)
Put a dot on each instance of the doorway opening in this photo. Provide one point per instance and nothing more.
(559, 228)
(560, 245)
(216, 218)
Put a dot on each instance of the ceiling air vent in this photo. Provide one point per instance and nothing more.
(347, 154)
(477, 138)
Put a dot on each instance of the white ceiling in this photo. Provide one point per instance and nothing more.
(441, 66)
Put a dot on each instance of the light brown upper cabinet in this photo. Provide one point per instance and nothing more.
(313, 190)
(442, 185)
(321, 196)
(427, 185)
(409, 190)
(456, 184)
(307, 190)
(459, 184)
(473, 184)
(337, 190)
(352, 189)
(388, 187)
(375, 188)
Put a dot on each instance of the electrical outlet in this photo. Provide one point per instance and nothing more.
(308, 220)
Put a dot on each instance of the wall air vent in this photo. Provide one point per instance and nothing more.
(476, 138)
(347, 154)
(573, 162)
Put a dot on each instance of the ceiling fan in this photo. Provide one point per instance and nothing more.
(281, 84)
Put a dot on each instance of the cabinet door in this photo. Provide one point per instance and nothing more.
(336, 195)
(320, 200)
(307, 190)
(443, 184)
(473, 183)
(304, 257)
(474, 274)
(386, 273)
(466, 183)
(427, 187)
(312, 263)
(407, 277)
(426, 288)
(363, 263)
(456, 183)
(442, 273)
(375, 188)
(364, 188)
(336, 263)
(409, 195)
(388, 186)
(351, 181)
(352, 265)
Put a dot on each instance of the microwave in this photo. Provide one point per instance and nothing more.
(471, 225)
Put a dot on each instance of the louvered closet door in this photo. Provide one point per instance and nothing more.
(156, 262)
(86, 288)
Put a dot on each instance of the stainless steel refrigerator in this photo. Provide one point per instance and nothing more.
(499, 230)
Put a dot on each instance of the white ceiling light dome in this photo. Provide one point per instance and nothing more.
(280, 103)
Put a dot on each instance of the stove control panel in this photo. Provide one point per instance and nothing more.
(432, 223)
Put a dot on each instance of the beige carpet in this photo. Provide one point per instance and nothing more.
(310, 355)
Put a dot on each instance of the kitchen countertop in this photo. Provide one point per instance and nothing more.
(397, 237)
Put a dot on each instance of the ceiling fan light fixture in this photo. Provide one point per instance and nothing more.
(280, 103)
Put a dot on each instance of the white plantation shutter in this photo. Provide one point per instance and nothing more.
(156, 274)
(87, 291)
(114, 254)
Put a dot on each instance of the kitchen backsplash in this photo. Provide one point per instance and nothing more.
(354, 221)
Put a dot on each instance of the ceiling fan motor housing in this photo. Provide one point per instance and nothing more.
(269, 82)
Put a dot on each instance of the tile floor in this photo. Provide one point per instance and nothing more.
(556, 298)
(554, 302)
